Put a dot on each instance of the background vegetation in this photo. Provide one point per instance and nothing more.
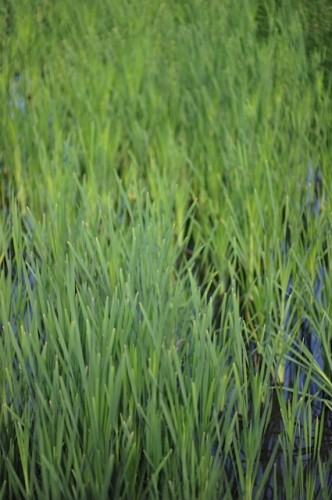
(164, 249)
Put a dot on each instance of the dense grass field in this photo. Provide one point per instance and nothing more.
(165, 249)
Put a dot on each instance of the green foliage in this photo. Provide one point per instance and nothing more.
(161, 249)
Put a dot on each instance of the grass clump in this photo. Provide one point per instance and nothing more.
(165, 250)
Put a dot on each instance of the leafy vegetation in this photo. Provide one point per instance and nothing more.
(164, 249)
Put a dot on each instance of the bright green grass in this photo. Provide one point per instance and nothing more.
(125, 129)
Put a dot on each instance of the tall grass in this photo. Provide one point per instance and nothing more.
(164, 250)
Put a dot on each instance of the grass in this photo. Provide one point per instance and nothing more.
(164, 250)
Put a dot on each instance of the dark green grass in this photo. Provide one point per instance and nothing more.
(164, 250)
